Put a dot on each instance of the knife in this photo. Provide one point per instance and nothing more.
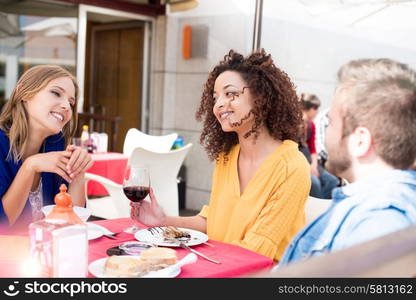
(182, 245)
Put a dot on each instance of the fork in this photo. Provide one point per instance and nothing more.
(154, 230)
(112, 235)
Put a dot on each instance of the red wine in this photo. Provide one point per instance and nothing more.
(136, 193)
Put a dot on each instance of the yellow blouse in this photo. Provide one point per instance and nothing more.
(270, 211)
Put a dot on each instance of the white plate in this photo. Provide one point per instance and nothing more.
(96, 268)
(158, 239)
(99, 227)
(93, 232)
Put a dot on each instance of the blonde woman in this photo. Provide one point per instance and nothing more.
(35, 127)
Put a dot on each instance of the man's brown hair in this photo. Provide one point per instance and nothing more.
(309, 101)
(382, 98)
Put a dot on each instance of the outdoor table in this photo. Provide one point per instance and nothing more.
(235, 261)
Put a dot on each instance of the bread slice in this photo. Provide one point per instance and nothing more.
(159, 256)
(124, 266)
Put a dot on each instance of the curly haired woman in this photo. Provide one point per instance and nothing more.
(251, 117)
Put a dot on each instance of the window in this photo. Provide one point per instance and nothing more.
(29, 40)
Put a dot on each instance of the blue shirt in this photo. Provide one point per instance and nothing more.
(9, 169)
(360, 212)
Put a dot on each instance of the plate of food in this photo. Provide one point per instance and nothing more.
(171, 236)
(152, 263)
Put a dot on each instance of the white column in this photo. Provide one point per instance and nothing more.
(81, 48)
(12, 72)
(171, 58)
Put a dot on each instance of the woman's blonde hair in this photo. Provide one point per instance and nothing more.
(14, 119)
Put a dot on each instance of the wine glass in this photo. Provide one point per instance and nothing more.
(136, 186)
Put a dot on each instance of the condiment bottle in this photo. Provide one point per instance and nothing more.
(59, 243)
(64, 208)
(85, 135)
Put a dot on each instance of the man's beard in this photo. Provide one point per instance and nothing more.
(339, 161)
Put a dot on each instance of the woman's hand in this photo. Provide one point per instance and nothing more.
(80, 161)
(53, 162)
(148, 213)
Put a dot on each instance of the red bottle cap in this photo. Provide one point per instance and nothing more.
(63, 209)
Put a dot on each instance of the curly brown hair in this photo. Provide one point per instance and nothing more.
(275, 102)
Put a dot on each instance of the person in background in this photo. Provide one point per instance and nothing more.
(35, 126)
(321, 122)
(369, 142)
(322, 181)
(251, 115)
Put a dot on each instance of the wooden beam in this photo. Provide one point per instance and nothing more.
(154, 9)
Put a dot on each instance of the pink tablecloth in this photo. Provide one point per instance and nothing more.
(110, 165)
(235, 261)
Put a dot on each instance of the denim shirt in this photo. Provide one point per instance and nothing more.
(360, 212)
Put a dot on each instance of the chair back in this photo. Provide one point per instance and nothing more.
(315, 207)
(135, 138)
(163, 169)
(114, 206)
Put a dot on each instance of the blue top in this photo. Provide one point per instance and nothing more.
(360, 212)
(9, 169)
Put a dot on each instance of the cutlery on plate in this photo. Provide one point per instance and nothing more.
(154, 230)
(112, 235)
(184, 246)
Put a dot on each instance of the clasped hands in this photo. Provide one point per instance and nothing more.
(68, 164)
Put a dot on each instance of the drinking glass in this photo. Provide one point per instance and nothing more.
(136, 186)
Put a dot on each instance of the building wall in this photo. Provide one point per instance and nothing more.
(312, 56)
(311, 45)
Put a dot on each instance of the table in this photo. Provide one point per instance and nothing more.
(110, 165)
(235, 261)
(13, 250)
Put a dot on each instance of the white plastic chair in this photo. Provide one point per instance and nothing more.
(163, 168)
(135, 138)
(315, 207)
(114, 206)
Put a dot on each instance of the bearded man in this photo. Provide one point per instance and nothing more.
(371, 142)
